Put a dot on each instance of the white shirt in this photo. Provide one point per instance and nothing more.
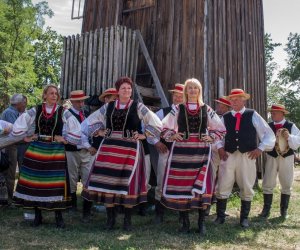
(5, 125)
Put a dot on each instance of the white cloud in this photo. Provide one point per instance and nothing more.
(61, 21)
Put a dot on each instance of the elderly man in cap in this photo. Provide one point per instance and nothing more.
(78, 157)
(280, 161)
(162, 148)
(17, 106)
(238, 152)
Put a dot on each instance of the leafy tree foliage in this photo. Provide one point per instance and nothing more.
(21, 40)
(290, 76)
(285, 89)
(271, 66)
(48, 50)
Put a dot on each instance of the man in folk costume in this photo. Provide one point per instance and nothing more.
(93, 144)
(78, 156)
(163, 149)
(238, 153)
(222, 106)
(280, 162)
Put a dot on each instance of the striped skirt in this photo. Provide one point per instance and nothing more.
(188, 181)
(43, 177)
(117, 176)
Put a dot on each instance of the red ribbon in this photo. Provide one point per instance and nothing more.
(238, 121)
(81, 115)
(277, 126)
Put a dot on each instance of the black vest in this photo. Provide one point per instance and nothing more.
(245, 139)
(52, 126)
(70, 147)
(166, 110)
(96, 141)
(288, 125)
(126, 125)
(188, 123)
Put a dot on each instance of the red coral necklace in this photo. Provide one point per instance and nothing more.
(192, 112)
(48, 116)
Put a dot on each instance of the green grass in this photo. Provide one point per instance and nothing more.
(16, 233)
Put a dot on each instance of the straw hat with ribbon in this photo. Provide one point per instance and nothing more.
(110, 91)
(223, 100)
(178, 88)
(238, 92)
(78, 95)
(278, 107)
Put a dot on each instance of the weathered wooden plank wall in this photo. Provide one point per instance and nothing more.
(96, 59)
(183, 42)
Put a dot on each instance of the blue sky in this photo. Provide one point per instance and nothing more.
(280, 16)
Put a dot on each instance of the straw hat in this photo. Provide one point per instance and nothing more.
(110, 91)
(178, 88)
(223, 100)
(238, 92)
(278, 107)
(78, 95)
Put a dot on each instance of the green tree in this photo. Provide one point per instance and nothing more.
(21, 23)
(290, 76)
(285, 88)
(271, 66)
(48, 51)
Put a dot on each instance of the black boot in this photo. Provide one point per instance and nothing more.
(74, 202)
(284, 204)
(59, 220)
(207, 210)
(111, 218)
(185, 222)
(245, 209)
(268, 198)
(221, 208)
(142, 209)
(159, 213)
(201, 219)
(86, 211)
(37, 217)
(127, 219)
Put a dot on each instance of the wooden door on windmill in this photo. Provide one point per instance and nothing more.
(140, 14)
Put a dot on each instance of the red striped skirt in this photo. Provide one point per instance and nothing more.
(188, 181)
(118, 175)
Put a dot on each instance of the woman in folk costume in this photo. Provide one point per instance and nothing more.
(188, 180)
(118, 174)
(42, 184)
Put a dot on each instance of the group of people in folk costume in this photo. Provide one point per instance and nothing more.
(199, 153)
